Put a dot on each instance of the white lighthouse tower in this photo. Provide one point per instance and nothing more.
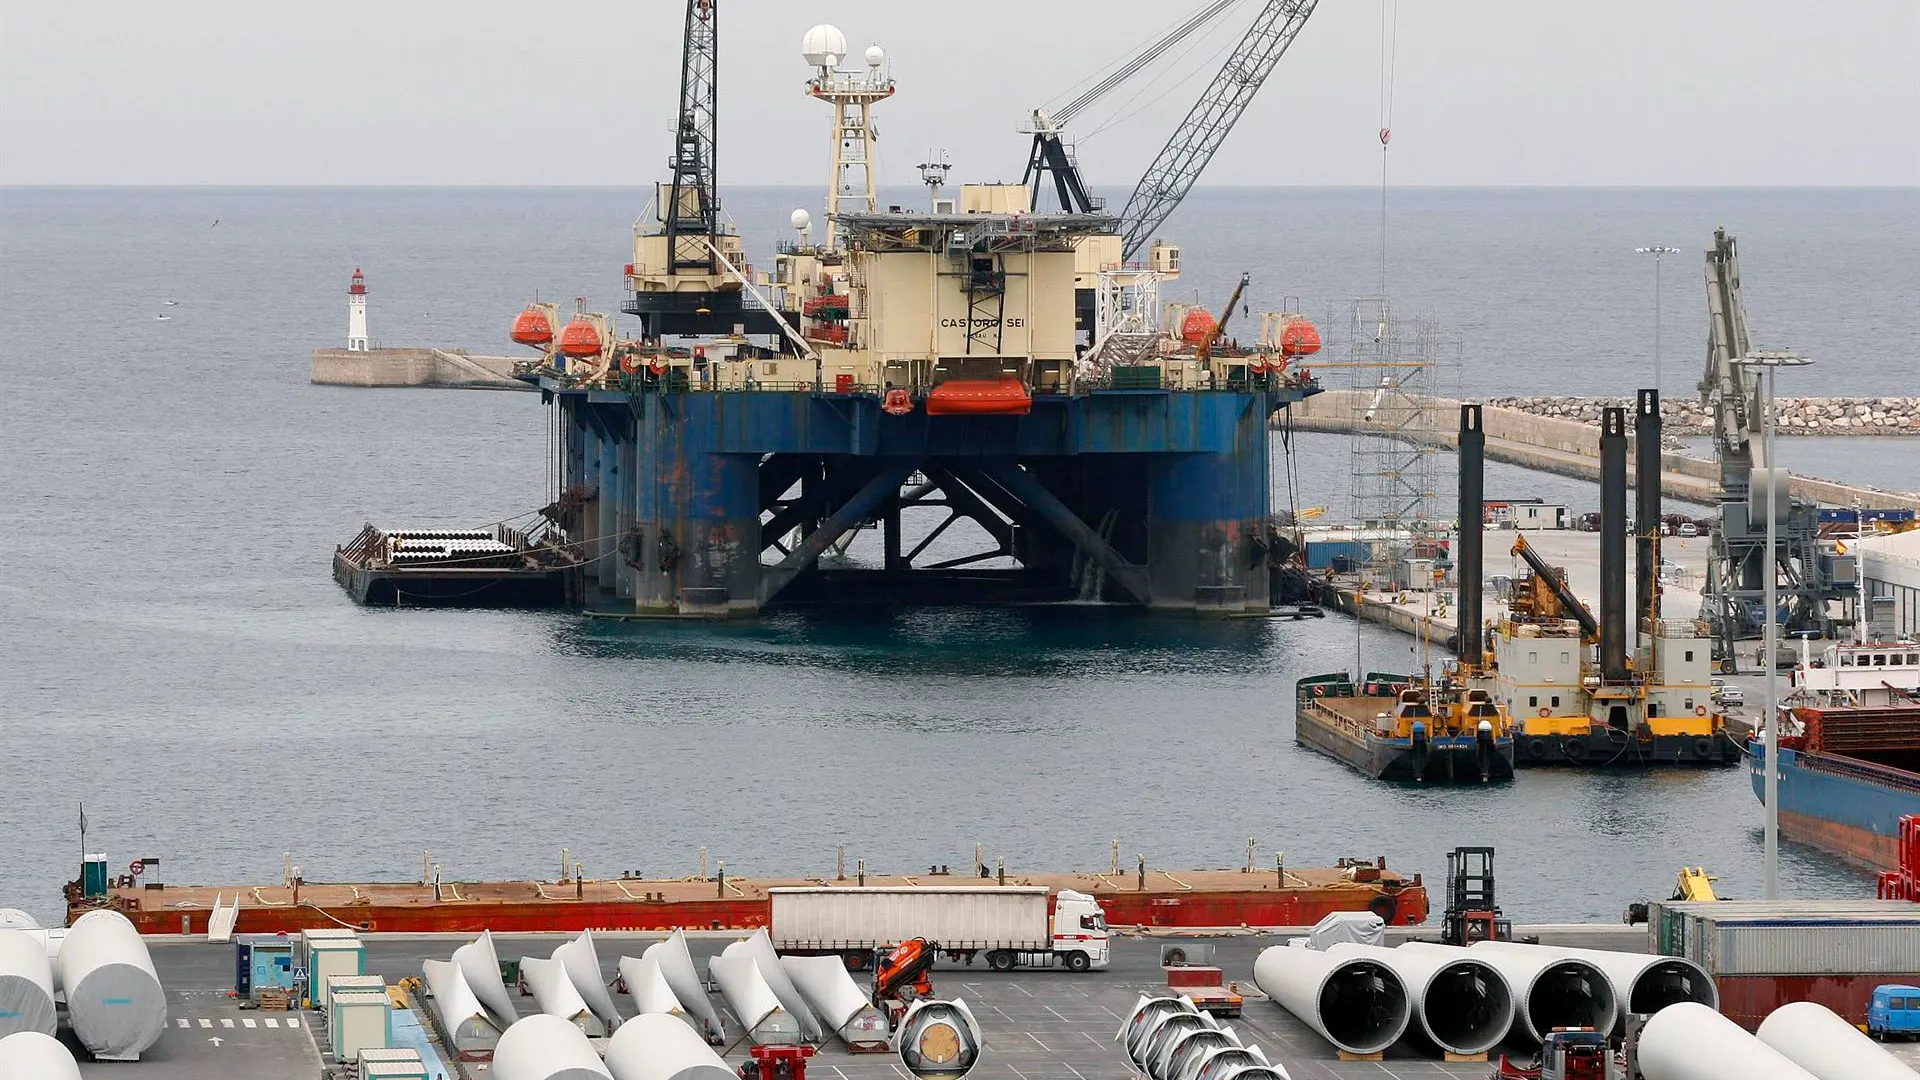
(357, 313)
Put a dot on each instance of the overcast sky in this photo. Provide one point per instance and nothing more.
(1633, 92)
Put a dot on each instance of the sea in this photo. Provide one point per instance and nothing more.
(176, 661)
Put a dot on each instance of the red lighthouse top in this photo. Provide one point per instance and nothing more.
(359, 286)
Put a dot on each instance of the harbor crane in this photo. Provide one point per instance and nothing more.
(1192, 145)
(1739, 561)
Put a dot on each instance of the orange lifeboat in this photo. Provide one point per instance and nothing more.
(1196, 326)
(532, 327)
(1299, 338)
(1003, 396)
(580, 339)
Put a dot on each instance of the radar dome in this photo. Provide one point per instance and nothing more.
(823, 46)
(800, 219)
(876, 56)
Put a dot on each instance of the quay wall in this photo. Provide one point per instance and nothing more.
(1570, 447)
(414, 367)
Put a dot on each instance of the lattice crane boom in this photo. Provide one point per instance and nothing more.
(1194, 142)
(692, 215)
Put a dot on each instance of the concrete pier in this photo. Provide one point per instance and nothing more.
(436, 368)
(1572, 448)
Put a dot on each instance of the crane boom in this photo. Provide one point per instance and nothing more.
(1204, 350)
(692, 213)
(1194, 142)
(1551, 578)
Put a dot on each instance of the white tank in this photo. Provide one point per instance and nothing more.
(1813, 1037)
(12, 918)
(26, 985)
(823, 46)
(542, 1047)
(656, 1046)
(114, 999)
(35, 1055)
(1689, 1041)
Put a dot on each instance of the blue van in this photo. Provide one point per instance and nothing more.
(1894, 1012)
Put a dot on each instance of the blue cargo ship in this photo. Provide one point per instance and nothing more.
(1850, 757)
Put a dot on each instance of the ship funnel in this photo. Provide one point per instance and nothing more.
(1357, 1004)
(1613, 546)
(938, 1040)
(1646, 517)
(1469, 558)
(1462, 1004)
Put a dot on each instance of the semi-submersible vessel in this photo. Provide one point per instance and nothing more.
(976, 358)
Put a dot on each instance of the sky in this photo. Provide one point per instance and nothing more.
(438, 92)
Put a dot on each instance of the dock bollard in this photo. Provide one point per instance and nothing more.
(1143, 873)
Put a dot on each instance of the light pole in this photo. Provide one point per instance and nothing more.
(1656, 252)
(1774, 481)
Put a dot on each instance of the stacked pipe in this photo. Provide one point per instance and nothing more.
(1469, 558)
(1689, 1041)
(1643, 983)
(1548, 990)
(1356, 1003)
(1461, 1004)
(1646, 518)
(1613, 546)
(1813, 1037)
(114, 1000)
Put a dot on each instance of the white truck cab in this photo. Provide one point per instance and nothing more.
(1079, 930)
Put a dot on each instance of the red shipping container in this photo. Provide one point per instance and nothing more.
(843, 384)
(1195, 976)
(1748, 999)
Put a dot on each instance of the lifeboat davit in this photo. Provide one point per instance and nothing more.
(580, 339)
(1196, 326)
(1299, 338)
(532, 327)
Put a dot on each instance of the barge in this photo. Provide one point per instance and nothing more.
(493, 567)
(1149, 899)
(1393, 727)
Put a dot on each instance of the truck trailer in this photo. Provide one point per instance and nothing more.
(1011, 925)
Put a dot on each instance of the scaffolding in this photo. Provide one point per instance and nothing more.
(1398, 369)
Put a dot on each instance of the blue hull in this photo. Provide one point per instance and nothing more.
(1841, 804)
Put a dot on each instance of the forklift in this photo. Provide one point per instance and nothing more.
(1471, 913)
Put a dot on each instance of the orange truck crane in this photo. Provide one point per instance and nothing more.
(903, 977)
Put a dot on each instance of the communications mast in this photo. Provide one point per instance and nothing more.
(852, 95)
(357, 313)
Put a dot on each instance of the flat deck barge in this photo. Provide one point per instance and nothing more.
(1157, 898)
(494, 567)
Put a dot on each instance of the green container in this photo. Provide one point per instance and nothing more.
(1136, 377)
(510, 971)
(93, 876)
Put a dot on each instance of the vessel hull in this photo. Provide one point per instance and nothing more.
(1450, 759)
(1843, 805)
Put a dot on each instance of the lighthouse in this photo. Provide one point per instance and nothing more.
(357, 313)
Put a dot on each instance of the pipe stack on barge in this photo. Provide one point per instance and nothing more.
(1278, 896)
(492, 567)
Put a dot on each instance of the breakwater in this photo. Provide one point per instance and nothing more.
(1797, 416)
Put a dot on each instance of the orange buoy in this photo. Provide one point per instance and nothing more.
(1195, 327)
(580, 339)
(532, 327)
(1299, 338)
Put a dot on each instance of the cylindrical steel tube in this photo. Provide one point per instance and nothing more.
(26, 985)
(1461, 1004)
(1813, 1037)
(1642, 982)
(1549, 991)
(1689, 1041)
(939, 1040)
(1358, 1005)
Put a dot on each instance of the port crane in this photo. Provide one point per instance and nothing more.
(1548, 594)
(1192, 145)
(1739, 561)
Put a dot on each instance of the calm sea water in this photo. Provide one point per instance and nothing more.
(174, 654)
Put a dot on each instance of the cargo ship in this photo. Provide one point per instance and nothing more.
(1850, 756)
(1395, 727)
(1136, 897)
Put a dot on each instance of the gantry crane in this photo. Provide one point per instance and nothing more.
(1739, 561)
(1192, 145)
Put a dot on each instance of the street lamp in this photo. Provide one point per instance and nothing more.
(1656, 252)
(1774, 481)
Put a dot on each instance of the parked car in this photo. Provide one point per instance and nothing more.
(1688, 528)
(1730, 699)
(1894, 1012)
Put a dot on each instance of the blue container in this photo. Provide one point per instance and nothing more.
(1321, 553)
(261, 961)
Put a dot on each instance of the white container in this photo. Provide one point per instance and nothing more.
(26, 985)
(303, 944)
(955, 917)
(341, 983)
(466, 1022)
(33, 1055)
(114, 1000)
(329, 957)
(360, 1019)
(1813, 1037)
(657, 1046)
(542, 1047)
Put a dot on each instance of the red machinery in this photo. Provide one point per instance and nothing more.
(777, 1063)
(1580, 1054)
(1904, 883)
(905, 976)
